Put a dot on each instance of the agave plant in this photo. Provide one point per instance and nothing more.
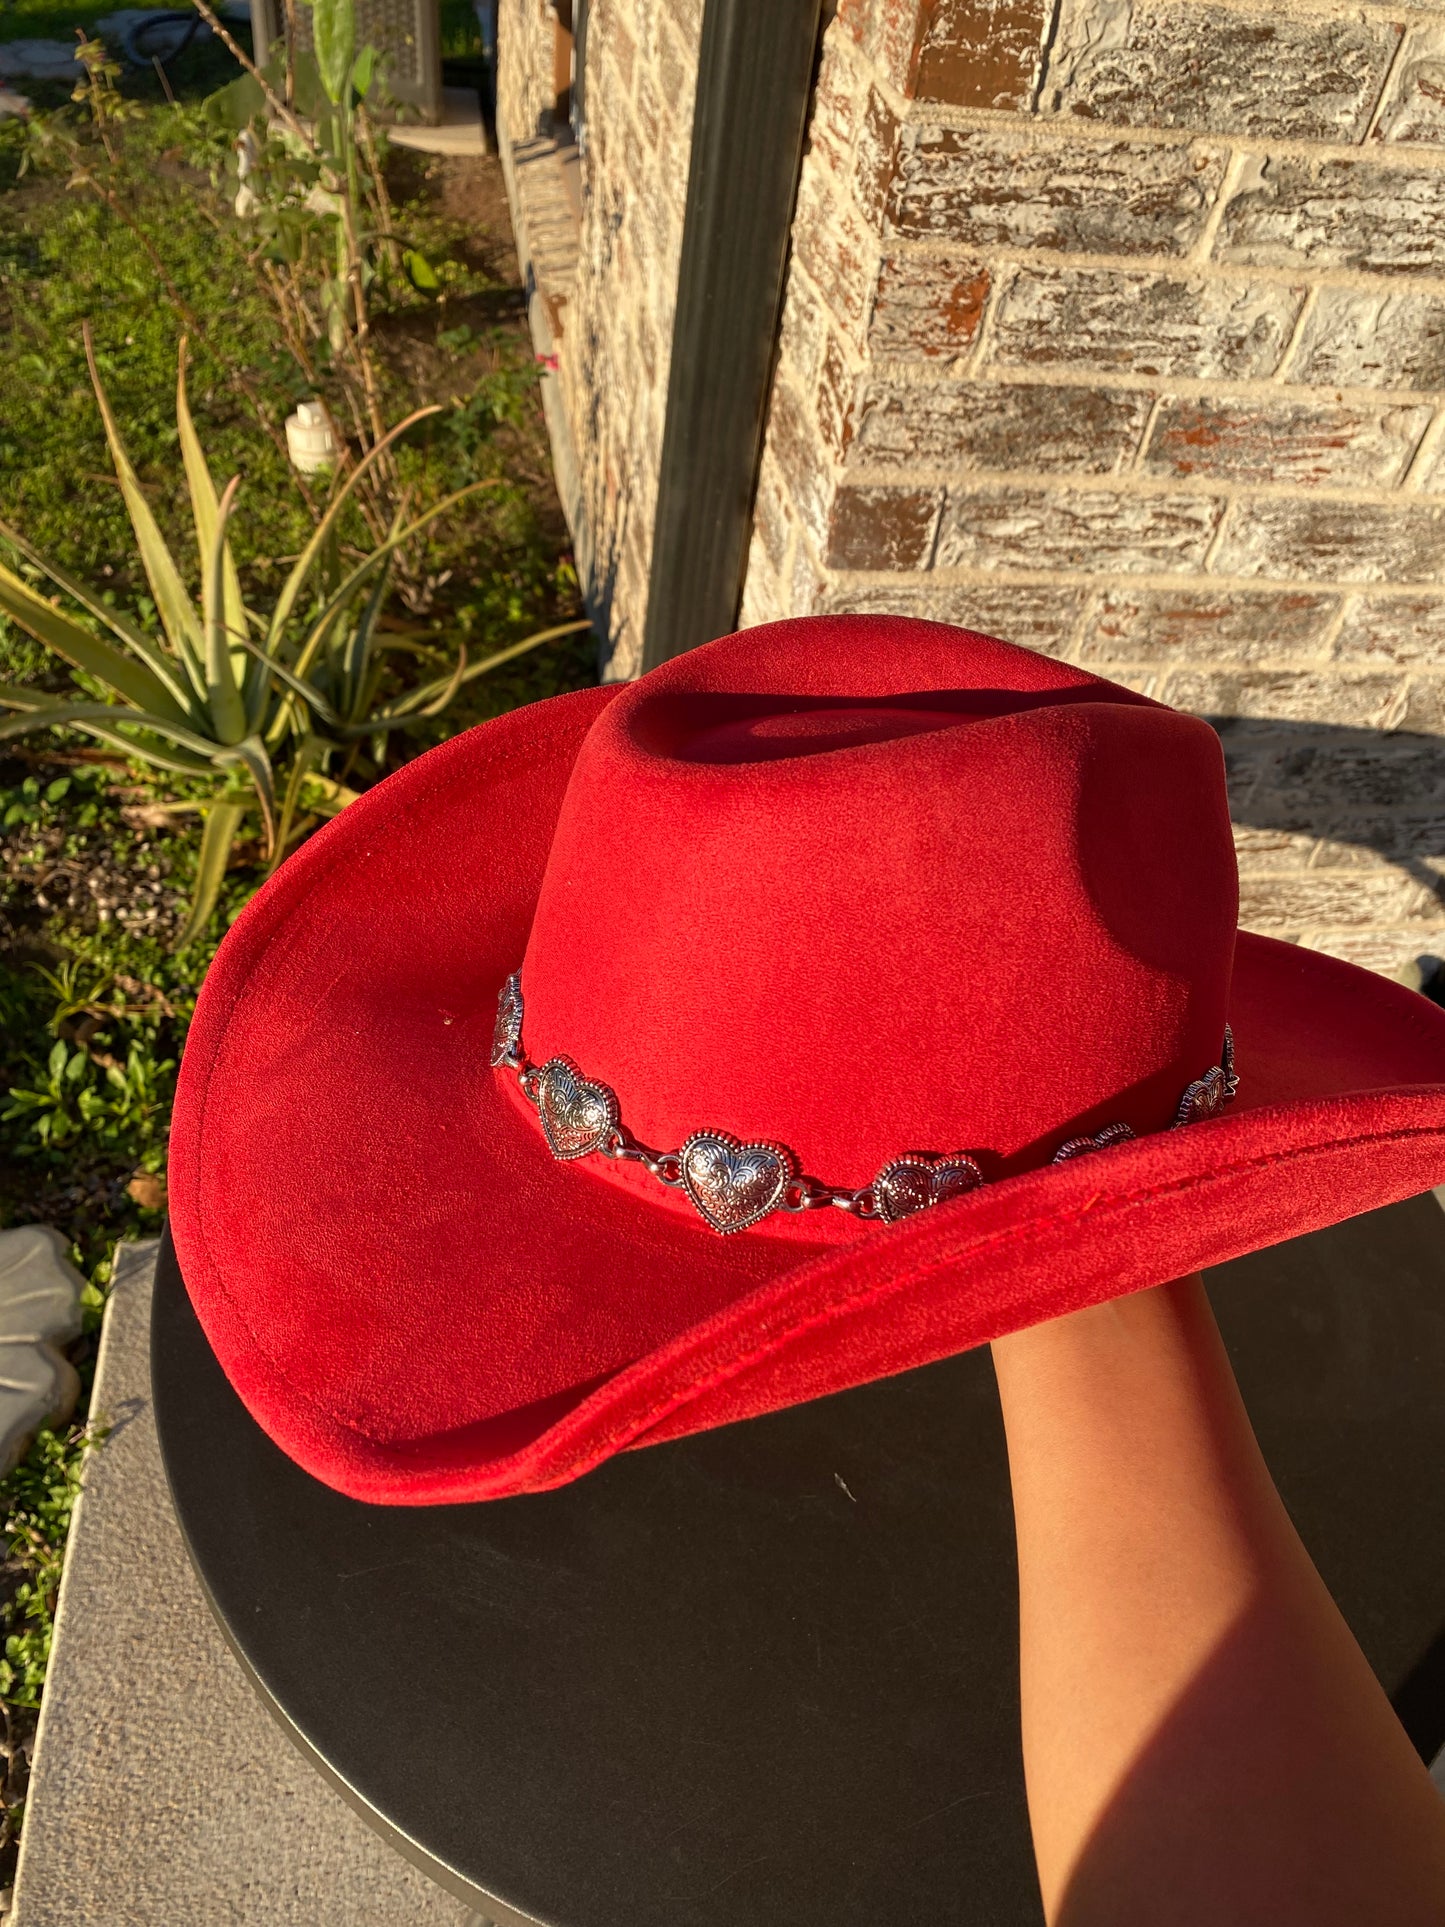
(223, 691)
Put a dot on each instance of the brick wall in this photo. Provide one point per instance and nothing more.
(1117, 327)
(613, 335)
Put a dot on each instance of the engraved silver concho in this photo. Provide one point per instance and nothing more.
(578, 1115)
(734, 1184)
(1208, 1095)
(507, 1036)
(918, 1180)
(1078, 1147)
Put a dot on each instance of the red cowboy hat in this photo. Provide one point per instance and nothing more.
(848, 912)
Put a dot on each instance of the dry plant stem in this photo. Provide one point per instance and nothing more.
(385, 211)
(284, 113)
(285, 302)
(292, 31)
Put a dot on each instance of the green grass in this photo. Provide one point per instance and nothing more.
(43, 20)
(94, 876)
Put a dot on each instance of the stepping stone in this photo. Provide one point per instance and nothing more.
(162, 1791)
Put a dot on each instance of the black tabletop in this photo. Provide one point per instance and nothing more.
(770, 1673)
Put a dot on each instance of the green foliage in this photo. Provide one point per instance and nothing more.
(40, 1496)
(99, 853)
(220, 689)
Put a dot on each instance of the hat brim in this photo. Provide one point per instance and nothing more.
(420, 1306)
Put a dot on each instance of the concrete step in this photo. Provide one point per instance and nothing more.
(163, 1794)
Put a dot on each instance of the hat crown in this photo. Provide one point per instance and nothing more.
(865, 885)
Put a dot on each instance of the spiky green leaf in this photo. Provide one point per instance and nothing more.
(177, 611)
(228, 712)
(132, 681)
(223, 820)
(153, 682)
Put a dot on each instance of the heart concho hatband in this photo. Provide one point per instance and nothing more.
(734, 1185)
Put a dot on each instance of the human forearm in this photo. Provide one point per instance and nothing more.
(1203, 1739)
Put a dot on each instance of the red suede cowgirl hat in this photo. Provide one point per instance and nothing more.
(838, 996)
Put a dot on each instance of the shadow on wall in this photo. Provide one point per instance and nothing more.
(1345, 826)
(1345, 789)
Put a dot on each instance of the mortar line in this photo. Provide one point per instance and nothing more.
(1046, 54)
(1306, 309)
(1136, 463)
(1074, 642)
(1004, 374)
(1048, 130)
(1206, 561)
(1234, 168)
(1302, 274)
(1172, 487)
(1336, 623)
(1424, 451)
(1387, 83)
(973, 575)
(983, 340)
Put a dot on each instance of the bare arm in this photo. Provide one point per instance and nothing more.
(1204, 1743)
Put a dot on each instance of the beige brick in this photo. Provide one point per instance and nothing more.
(762, 595)
(884, 34)
(925, 306)
(616, 44)
(1385, 951)
(837, 399)
(983, 189)
(1358, 339)
(1423, 710)
(1170, 63)
(772, 516)
(836, 250)
(1332, 900)
(882, 528)
(1143, 324)
(1320, 540)
(1429, 470)
(687, 18)
(1263, 853)
(1035, 615)
(804, 332)
(1096, 530)
(1227, 627)
(1285, 441)
(1414, 108)
(1335, 214)
(965, 426)
(1408, 630)
(838, 102)
(1297, 696)
(806, 584)
(1412, 838)
(793, 445)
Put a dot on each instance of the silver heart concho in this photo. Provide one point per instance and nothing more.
(733, 1184)
(916, 1181)
(578, 1116)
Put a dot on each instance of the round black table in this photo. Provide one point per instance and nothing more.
(769, 1674)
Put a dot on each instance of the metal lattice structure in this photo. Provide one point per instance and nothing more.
(406, 33)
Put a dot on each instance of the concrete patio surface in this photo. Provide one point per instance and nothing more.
(163, 1794)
